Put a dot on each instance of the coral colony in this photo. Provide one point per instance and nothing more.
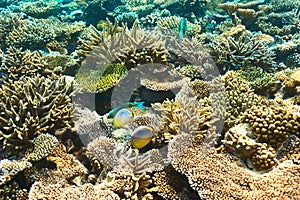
(142, 100)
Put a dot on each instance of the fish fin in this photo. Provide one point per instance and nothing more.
(140, 105)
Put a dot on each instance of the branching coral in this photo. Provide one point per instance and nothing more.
(182, 115)
(31, 106)
(129, 185)
(238, 97)
(132, 48)
(17, 63)
(43, 144)
(233, 53)
(261, 82)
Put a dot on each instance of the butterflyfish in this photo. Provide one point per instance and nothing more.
(141, 136)
(122, 117)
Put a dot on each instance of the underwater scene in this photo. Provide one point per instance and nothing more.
(142, 100)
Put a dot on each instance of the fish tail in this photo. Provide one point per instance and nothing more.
(140, 105)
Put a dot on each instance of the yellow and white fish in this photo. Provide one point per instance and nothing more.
(122, 117)
(141, 136)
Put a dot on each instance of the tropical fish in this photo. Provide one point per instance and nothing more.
(113, 112)
(122, 117)
(182, 28)
(141, 136)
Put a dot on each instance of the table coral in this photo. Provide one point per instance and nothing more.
(31, 106)
(41, 190)
(207, 171)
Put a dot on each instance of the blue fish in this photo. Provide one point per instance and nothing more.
(182, 28)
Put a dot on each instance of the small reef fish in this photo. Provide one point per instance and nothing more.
(122, 117)
(141, 136)
(182, 28)
(113, 112)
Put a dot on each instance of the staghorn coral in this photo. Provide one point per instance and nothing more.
(30, 106)
(132, 48)
(31, 34)
(8, 21)
(129, 185)
(91, 37)
(233, 53)
(182, 115)
(272, 124)
(17, 63)
(207, 171)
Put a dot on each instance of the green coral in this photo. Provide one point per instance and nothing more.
(111, 76)
(257, 79)
(99, 81)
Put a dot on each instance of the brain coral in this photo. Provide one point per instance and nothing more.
(31, 106)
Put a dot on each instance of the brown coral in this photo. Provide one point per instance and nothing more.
(31, 106)
(17, 63)
(232, 53)
(208, 170)
(271, 124)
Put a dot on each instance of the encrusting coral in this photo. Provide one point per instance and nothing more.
(31, 106)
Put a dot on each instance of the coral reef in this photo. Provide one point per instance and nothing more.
(219, 99)
(208, 176)
(233, 53)
(31, 106)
